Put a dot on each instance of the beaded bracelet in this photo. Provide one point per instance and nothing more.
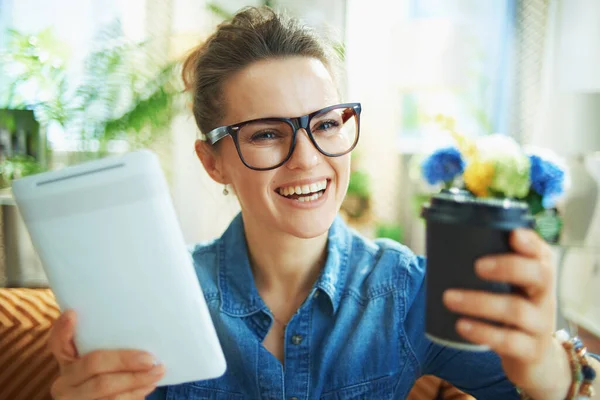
(582, 373)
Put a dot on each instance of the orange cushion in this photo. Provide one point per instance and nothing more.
(27, 368)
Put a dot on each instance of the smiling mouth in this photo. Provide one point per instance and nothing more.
(304, 193)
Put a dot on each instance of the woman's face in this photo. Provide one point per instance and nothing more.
(287, 87)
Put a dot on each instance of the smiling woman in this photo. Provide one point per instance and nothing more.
(304, 307)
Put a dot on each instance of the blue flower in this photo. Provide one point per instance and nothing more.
(547, 179)
(443, 166)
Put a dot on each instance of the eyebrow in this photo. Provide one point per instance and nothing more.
(272, 116)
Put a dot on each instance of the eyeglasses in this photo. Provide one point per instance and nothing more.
(268, 143)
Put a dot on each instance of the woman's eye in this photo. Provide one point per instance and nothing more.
(326, 125)
(265, 135)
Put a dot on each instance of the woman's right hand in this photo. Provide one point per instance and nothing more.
(102, 374)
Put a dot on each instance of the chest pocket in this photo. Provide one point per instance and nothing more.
(193, 392)
(380, 388)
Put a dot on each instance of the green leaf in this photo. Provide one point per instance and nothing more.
(549, 225)
(534, 200)
(340, 49)
(18, 167)
(418, 201)
(390, 231)
(360, 184)
(219, 11)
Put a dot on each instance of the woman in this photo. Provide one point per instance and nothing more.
(304, 307)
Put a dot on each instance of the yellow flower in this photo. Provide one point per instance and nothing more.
(447, 123)
(467, 147)
(478, 177)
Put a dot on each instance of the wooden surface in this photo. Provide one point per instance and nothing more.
(591, 341)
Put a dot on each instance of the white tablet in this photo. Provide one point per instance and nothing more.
(110, 243)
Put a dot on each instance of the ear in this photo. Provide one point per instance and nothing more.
(210, 160)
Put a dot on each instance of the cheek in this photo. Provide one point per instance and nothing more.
(251, 186)
(341, 166)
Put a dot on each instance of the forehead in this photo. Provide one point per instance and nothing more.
(282, 87)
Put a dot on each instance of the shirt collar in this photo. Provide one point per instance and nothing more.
(332, 279)
(239, 296)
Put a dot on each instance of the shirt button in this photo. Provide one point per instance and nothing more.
(297, 339)
(316, 294)
(294, 398)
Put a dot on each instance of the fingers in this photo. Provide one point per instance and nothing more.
(505, 341)
(138, 394)
(109, 386)
(118, 384)
(533, 276)
(528, 243)
(107, 361)
(509, 309)
(60, 339)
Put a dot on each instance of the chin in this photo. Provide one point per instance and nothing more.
(311, 227)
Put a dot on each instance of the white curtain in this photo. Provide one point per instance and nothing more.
(567, 120)
(567, 117)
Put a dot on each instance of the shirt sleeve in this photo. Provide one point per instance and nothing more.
(159, 394)
(478, 373)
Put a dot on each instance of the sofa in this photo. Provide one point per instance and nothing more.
(27, 368)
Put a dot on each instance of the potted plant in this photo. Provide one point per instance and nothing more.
(123, 96)
(497, 166)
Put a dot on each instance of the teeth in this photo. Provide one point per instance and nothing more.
(312, 197)
(304, 189)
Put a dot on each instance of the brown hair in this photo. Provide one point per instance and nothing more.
(252, 35)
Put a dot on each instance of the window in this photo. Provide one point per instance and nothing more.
(453, 58)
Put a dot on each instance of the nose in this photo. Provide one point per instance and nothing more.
(305, 155)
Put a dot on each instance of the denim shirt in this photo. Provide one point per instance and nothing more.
(358, 335)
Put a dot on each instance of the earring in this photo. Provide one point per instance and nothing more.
(225, 190)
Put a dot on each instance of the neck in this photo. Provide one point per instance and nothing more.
(282, 263)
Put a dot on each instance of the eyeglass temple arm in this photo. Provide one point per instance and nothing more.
(217, 134)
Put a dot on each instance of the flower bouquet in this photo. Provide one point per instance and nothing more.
(496, 166)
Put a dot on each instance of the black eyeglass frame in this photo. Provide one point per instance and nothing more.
(297, 123)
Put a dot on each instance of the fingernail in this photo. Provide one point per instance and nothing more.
(464, 326)
(453, 296)
(485, 265)
(146, 360)
(523, 237)
(68, 316)
(157, 369)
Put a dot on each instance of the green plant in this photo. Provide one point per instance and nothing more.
(34, 74)
(390, 231)
(360, 184)
(18, 167)
(124, 92)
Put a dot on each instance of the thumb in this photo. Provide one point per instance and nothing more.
(60, 340)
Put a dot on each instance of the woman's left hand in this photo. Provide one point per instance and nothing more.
(532, 359)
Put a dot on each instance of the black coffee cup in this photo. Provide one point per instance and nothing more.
(462, 228)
